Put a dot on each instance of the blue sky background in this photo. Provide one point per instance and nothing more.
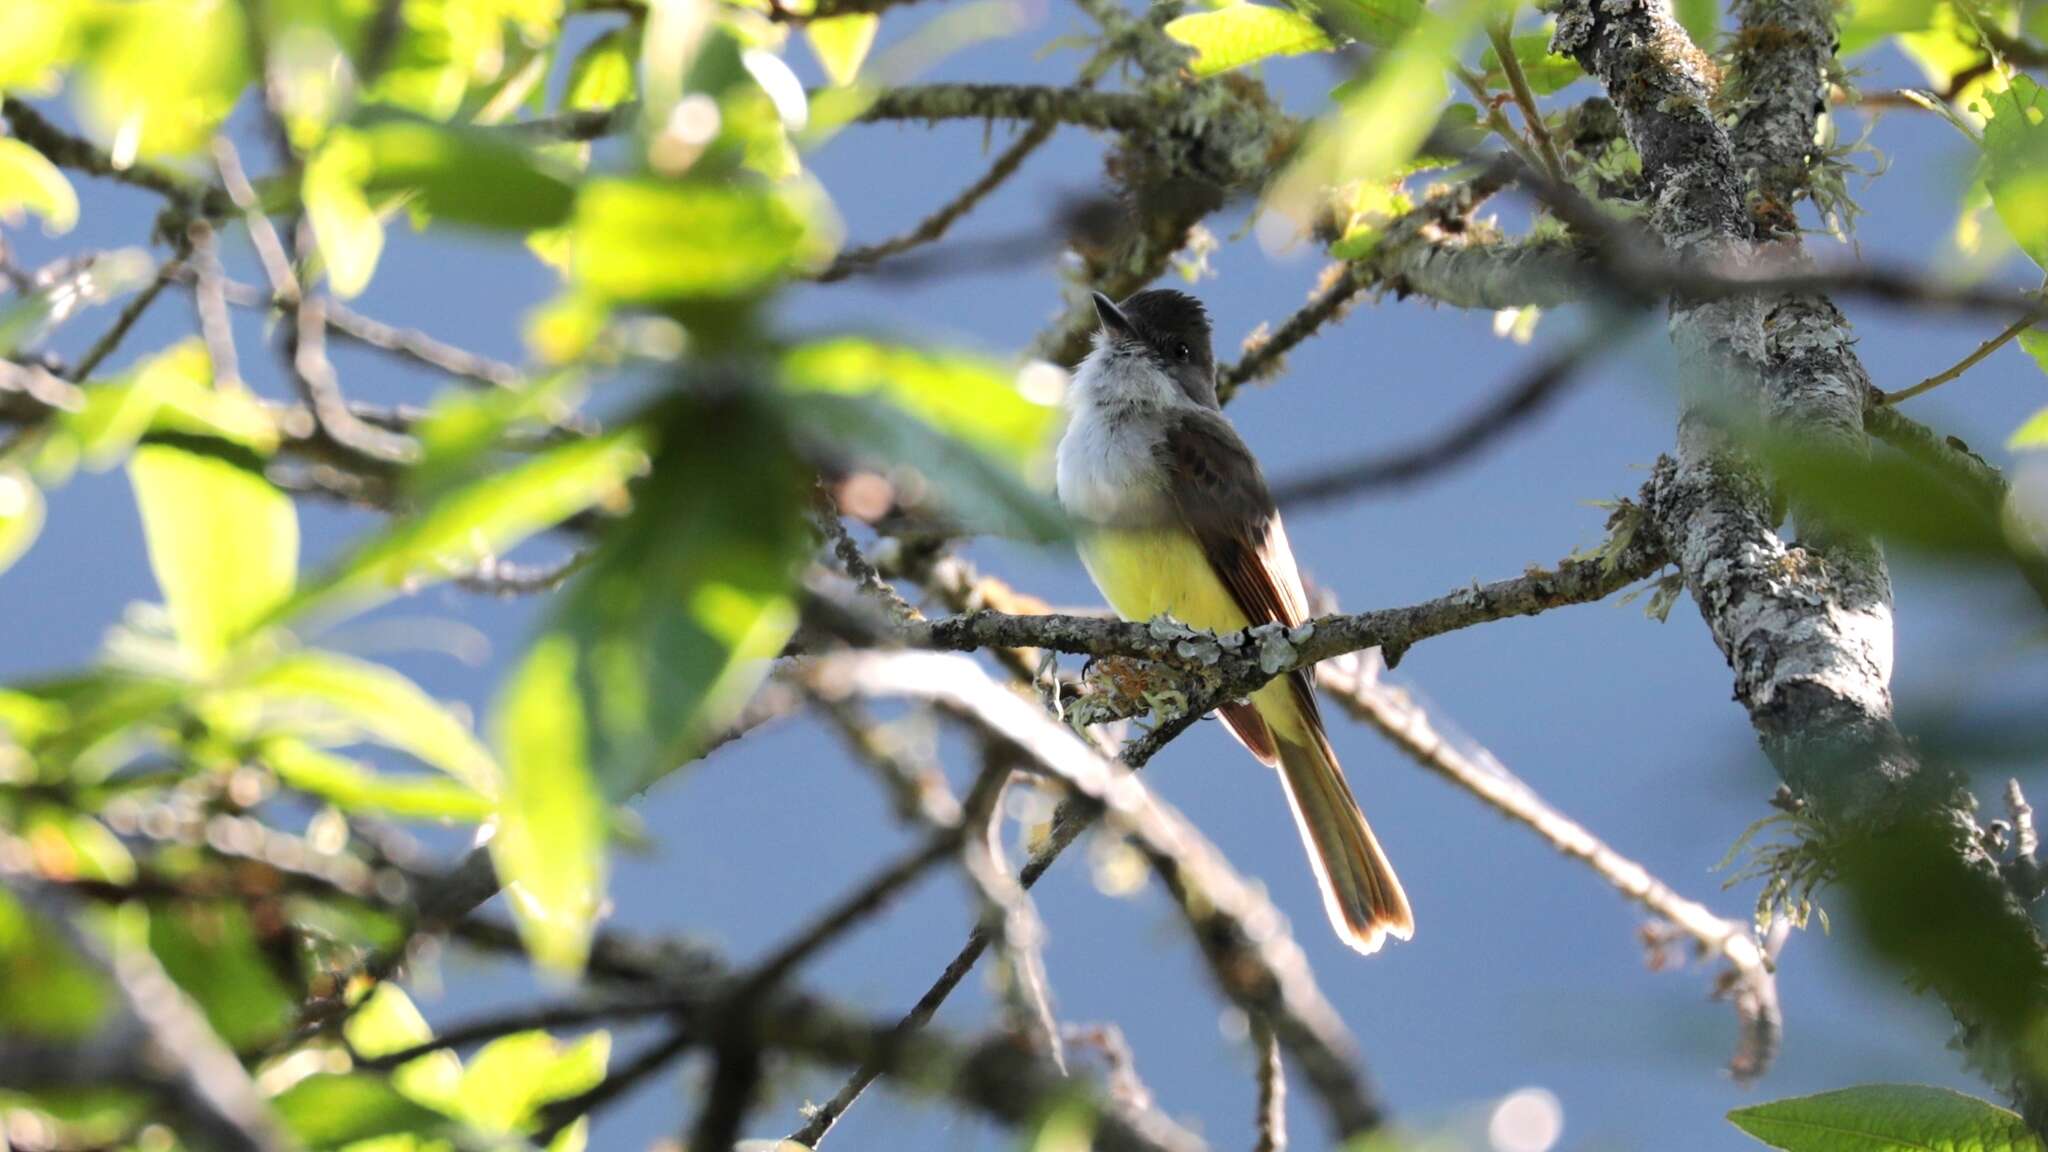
(1526, 969)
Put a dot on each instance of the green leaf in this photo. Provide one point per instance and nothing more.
(1240, 34)
(601, 76)
(353, 787)
(464, 176)
(510, 1079)
(2031, 434)
(478, 520)
(688, 240)
(550, 842)
(223, 542)
(1379, 23)
(348, 230)
(970, 397)
(21, 514)
(46, 990)
(1545, 71)
(39, 40)
(1886, 1118)
(929, 466)
(1701, 20)
(382, 705)
(211, 951)
(29, 182)
(387, 1022)
(841, 44)
(1868, 23)
(160, 76)
(1380, 127)
(1890, 496)
(2016, 163)
(336, 1110)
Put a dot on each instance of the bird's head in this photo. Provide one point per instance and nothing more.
(1152, 348)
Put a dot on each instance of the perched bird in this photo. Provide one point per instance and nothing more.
(1174, 517)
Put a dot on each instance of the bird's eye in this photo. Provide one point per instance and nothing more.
(1180, 352)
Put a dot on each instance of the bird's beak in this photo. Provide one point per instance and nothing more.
(1113, 319)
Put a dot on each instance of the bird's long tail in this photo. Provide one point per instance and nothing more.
(1360, 892)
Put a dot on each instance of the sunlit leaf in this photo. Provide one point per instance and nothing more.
(353, 787)
(452, 533)
(170, 392)
(668, 240)
(2016, 163)
(963, 395)
(2031, 434)
(464, 176)
(384, 706)
(1240, 34)
(36, 40)
(223, 542)
(72, 846)
(387, 1022)
(29, 182)
(1701, 20)
(602, 74)
(841, 43)
(162, 75)
(511, 1078)
(1886, 1118)
(212, 952)
(21, 514)
(462, 436)
(550, 842)
(336, 1110)
(347, 228)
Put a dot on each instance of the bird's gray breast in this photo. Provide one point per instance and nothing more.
(1108, 467)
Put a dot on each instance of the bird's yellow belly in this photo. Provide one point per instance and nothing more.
(1147, 574)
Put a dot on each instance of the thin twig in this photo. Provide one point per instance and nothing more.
(1352, 684)
(1006, 911)
(1500, 33)
(1272, 1079)
(124, 323)
(2011, 332)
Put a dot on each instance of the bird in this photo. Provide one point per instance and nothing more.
(1173, 517)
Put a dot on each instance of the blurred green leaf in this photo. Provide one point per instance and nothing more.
(160, 76)
(386, 1022)
(36, 41)
(1890, 496)
(2016, 163)
(171, 392)
(1701, 20)
(550, 842)
(1382, 125)
(21, 514)
(1886, 1118)
(70, 845)
(464, 176)
(601, 76)
(1951, 55)
(1545, 71)
(29, 182)
(511, 1078)
(462, 435)
(46, 990)
(452, 532)
(330, 1110)
(212, 952)
(1240, 34)
(683, 240)
(928, 467)
(383, 706)
(353, 787)
(1867, 23)
(841, 44)
(348, 230)
(223, 542)
(1378, 23)
(960, 394)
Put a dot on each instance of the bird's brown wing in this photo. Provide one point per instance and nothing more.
(1218, 492)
